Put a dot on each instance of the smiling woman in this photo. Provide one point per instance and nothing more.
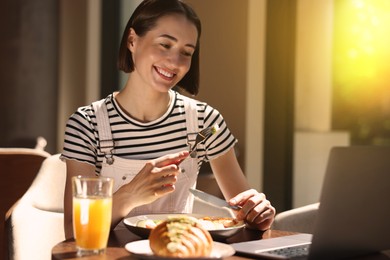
(141, 135)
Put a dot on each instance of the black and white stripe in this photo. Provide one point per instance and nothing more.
(136, 140)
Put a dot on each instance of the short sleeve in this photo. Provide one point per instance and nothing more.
(222, 141)
(80, 140)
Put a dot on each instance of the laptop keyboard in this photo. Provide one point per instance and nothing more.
(292, 252)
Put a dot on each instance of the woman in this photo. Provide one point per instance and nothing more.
(121, 136)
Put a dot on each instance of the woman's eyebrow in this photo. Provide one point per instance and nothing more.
(174, 39)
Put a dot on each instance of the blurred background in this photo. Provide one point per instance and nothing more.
(292, 78)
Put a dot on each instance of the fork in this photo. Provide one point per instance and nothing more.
(202, 136)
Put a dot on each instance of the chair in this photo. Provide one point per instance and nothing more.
(36, 224)
(18, 168)
(299, 219)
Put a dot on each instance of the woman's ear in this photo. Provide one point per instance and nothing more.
(131, 38)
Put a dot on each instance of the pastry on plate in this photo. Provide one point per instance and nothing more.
(180, 236)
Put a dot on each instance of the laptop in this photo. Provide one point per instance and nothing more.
(354, 214)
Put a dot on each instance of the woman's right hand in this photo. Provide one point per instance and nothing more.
(156, 179)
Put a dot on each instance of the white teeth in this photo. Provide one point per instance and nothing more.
(165, 73)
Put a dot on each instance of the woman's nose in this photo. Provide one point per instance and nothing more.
(176, 59)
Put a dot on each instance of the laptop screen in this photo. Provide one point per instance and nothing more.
(354, 212)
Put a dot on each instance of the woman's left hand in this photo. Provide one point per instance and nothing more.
(256, 210)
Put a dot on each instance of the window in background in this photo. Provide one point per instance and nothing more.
(361, 70)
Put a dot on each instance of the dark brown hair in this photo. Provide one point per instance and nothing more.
(144, 18)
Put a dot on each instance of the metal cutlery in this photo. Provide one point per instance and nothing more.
(202, 136)
(212, 199)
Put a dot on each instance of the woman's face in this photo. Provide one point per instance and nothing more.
(163, 55)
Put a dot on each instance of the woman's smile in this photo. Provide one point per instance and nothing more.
(165, 74)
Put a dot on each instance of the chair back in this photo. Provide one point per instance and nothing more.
(18, 168)
(36, 223)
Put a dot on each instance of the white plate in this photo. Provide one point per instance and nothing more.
(131, 224)
(142, 250)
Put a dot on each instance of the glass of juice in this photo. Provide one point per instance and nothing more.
(92, 207)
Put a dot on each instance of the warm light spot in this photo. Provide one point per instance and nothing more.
(361, 59)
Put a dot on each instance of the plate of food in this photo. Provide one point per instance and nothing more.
(142, 250)
(179, 236)
(219, 227)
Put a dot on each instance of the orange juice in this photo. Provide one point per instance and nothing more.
(92, 221)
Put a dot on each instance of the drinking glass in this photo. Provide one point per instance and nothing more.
(92, 207)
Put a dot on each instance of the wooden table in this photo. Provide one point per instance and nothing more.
(119, 238)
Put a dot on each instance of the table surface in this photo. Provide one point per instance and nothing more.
(119, 238)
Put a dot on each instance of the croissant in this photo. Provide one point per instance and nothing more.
(180, 236)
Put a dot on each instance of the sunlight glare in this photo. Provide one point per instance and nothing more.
(361, 47)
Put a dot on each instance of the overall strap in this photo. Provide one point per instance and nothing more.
(105, 142)
(191, 113)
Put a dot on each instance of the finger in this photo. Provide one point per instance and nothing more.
(265, 221)
(165, 179)
(259, 211)
(175, 158)
(242, 197)
(262, 224)
(163, 190)
(264, 216)
(250, 204)
(168, 180)
(170, 170)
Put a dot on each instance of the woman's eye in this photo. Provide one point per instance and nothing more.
(164, 45)
(188, 54)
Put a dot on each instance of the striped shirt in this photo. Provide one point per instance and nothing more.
(144, 141)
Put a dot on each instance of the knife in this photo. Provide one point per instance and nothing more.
(212, 199)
